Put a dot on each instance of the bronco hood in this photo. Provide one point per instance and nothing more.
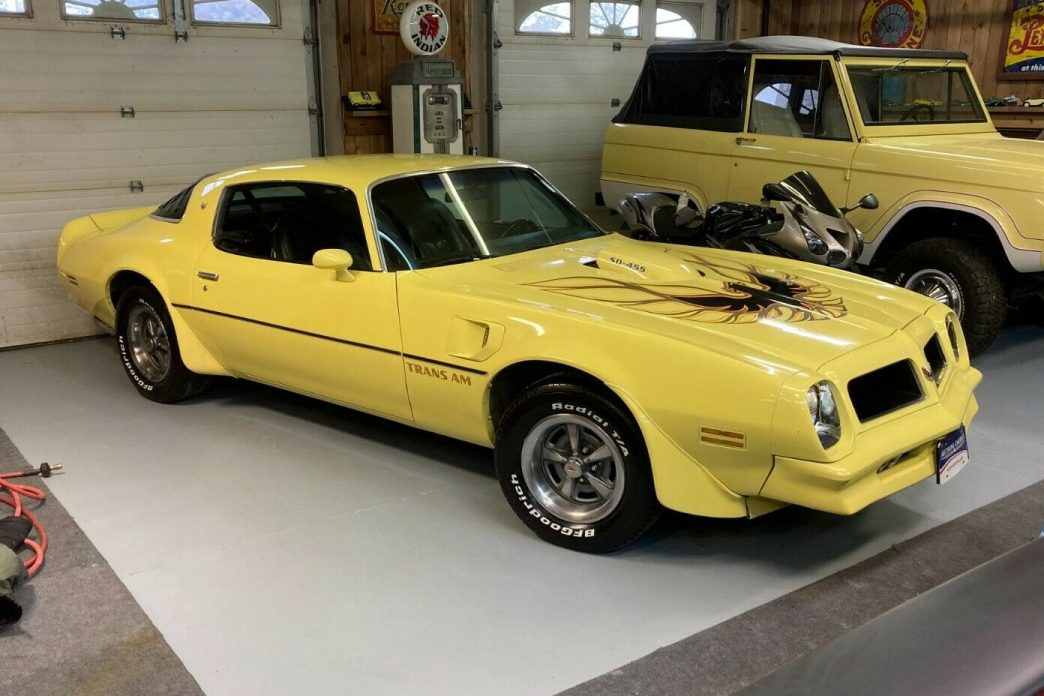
(798, 312)
(973, 158)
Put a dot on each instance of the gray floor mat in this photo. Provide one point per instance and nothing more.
(737, 652)
(81, 632)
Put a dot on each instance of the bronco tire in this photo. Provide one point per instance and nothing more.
(961, 276)
(149, 348)
(573, 467)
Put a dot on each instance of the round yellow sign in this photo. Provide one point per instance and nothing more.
(893, 23)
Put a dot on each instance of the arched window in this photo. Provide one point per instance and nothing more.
(671, 25)
(617, 20)
(125, 10)
(556, 18)
(235, 12)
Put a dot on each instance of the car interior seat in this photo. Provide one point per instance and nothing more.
(300, 233)
(773, 120)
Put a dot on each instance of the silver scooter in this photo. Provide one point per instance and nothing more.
(807, 226)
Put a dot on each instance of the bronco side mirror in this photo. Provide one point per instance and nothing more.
(869, 201)
(337, 260)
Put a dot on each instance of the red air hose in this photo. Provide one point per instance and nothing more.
(11, 494)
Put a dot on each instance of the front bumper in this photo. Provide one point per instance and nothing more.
(851, 483)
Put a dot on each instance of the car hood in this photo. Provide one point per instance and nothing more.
(749, 305)
(989, 158)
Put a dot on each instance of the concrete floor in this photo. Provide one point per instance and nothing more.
(283, 545)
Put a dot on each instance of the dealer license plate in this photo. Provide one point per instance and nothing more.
(951, 455)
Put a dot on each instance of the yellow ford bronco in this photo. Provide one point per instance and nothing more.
(960, 216)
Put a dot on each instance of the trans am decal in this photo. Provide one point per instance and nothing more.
(725, 293)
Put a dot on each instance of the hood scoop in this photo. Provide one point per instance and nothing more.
(651, 264)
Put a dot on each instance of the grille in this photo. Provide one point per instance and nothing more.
(884, 390)
(934, 354)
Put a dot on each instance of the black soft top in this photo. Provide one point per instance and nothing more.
(798, 45)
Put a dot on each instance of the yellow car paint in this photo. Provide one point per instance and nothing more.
(968, 167)
(692, 342)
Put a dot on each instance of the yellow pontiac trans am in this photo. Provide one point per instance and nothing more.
(468, 297)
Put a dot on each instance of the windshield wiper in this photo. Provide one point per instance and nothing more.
(458, 259)
(893, 67)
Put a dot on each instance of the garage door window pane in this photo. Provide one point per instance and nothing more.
(556, 18)
(614, 20)
(678, 20)
(123, 10)
(14, 7)
(263, 12)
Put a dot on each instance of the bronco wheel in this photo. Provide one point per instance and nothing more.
(961, 276)
(574, 468)
(149, 348)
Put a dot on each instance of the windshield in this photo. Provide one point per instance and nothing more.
(431, 220)
(803, 188)
(892, 95)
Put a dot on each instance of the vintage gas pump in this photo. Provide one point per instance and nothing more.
(426, 92)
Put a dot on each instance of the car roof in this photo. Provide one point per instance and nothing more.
(355, 171)
(798, 45)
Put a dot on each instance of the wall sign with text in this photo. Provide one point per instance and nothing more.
(1023, 55)
(893, 23)
(386, 14)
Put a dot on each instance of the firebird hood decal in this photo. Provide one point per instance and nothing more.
(721, 292)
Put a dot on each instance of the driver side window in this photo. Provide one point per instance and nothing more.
(290, 221)
(797, 98)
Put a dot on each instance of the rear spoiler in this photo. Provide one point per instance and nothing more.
(93, 224)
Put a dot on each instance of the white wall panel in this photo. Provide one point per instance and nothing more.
(228, 96)
(557, 93)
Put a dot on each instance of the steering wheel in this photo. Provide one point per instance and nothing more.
(519, 223)
(913, 110)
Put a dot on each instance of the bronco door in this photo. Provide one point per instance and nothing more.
(796, 120)
(268, 314)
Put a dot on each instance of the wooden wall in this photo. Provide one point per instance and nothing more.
(978, 27)
(366, 60)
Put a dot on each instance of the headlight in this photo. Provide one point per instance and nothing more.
(823, 409)
(951, 330)
(815, 243)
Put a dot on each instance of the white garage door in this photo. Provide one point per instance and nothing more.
(559, 74)
(229, 95)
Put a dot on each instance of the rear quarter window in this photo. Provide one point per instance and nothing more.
(705, 92)
(174, 208)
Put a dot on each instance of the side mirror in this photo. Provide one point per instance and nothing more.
(869, 201)
(337, 260)
(774, 192)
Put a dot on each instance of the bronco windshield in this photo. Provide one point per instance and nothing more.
(429, 220)
(894, 95)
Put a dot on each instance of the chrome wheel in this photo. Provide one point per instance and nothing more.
(148, 342)
(939, 286)
(574, 468)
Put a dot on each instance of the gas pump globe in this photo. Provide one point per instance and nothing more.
(426, 92)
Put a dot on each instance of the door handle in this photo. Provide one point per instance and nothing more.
(207, 275)
(744, 141)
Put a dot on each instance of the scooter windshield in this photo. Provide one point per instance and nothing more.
(803, 188)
